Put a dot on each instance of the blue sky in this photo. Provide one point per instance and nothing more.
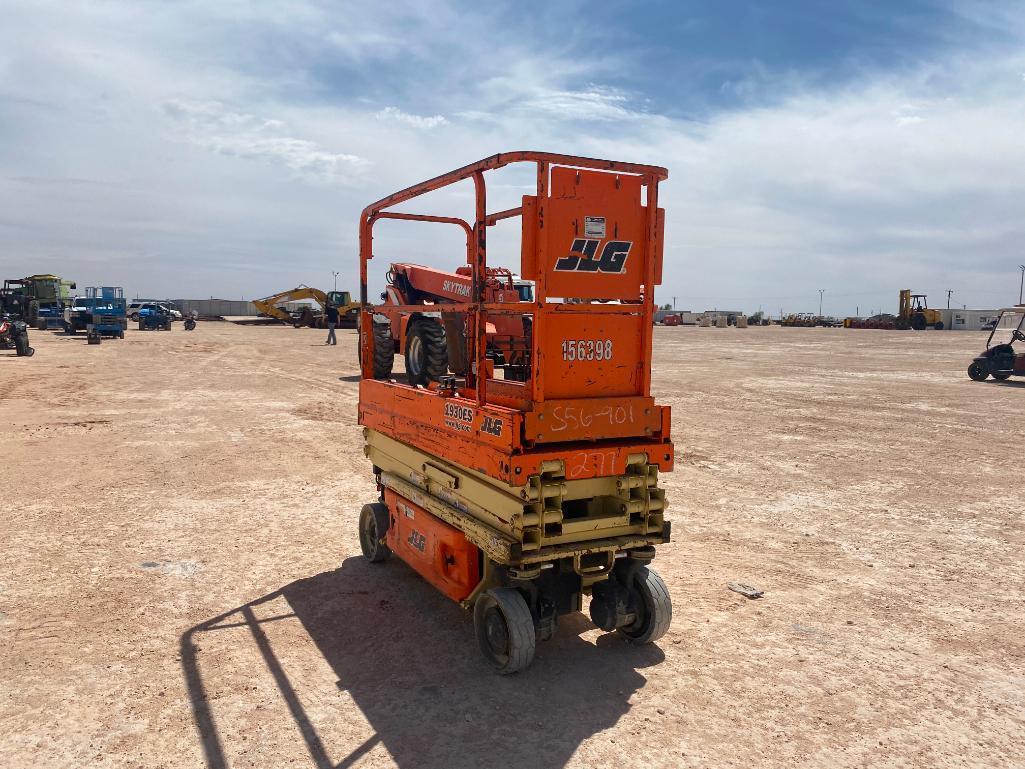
(196, 149)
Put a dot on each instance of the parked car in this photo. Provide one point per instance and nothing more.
(134, 307)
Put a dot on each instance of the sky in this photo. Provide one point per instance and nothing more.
(196, 149)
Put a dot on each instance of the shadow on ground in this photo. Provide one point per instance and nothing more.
(408, 658)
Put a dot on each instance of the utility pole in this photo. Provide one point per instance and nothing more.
(821, 292)
(949, 292)
(1021, 288)
(333, 272)
(674, 302)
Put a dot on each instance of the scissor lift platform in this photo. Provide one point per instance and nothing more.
(518, 496)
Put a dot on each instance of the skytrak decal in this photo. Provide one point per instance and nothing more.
(581, 256)
(463, 289)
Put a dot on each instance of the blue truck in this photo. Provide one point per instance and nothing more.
(101, 312)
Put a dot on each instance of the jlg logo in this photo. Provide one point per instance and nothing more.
(581, 256)
(491, 425)
(417, 540)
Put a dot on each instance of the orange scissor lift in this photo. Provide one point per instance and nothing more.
(518, 496)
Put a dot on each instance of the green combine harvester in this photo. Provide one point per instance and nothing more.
(39, 300)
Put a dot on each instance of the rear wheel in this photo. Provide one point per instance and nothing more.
(654, 609)
(1000, 377)
(505, 629)
(373, 524)
(426, 351)
(977, 372)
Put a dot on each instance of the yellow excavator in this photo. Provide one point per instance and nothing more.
(348, 311)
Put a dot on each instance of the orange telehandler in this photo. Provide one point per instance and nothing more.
(516, 496)
(433, 342)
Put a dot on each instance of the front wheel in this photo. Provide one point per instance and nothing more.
(373, 524)
(426, 351)
(505, 629)
(977, 372)
(654, 609)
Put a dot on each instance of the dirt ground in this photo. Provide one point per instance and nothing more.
(181, 584)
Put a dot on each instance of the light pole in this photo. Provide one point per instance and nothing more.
(1021, 288)
(949, 292)
(333, 272)
(821, 292)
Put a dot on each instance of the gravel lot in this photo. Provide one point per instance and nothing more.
(181, 584)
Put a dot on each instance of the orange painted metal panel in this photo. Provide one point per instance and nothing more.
(596, 232)
(439, 552)
(590, 419)
(593, 356)
(411, 408)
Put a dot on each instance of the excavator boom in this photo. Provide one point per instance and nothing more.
(268, 305)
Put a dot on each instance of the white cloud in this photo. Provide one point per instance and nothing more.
(416, 121)
(214, 127)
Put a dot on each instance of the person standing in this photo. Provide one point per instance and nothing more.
(332, 323)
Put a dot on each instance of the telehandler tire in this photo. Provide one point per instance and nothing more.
(384, 351)
(504, 628)
(426, 351)
(655, 608)
(373, 523)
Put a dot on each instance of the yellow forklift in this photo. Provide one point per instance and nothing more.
(914, 312)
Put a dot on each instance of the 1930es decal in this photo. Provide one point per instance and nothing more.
(582, 256)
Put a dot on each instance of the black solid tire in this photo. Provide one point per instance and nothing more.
(939, 326)
(504, 628)
(384, 350)
(918, 322)
(1000, 377)
(426, 351)
(976, 372)
(373, 523)
(656, 609)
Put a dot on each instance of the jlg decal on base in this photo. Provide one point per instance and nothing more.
(492, 426)
(581, 256)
